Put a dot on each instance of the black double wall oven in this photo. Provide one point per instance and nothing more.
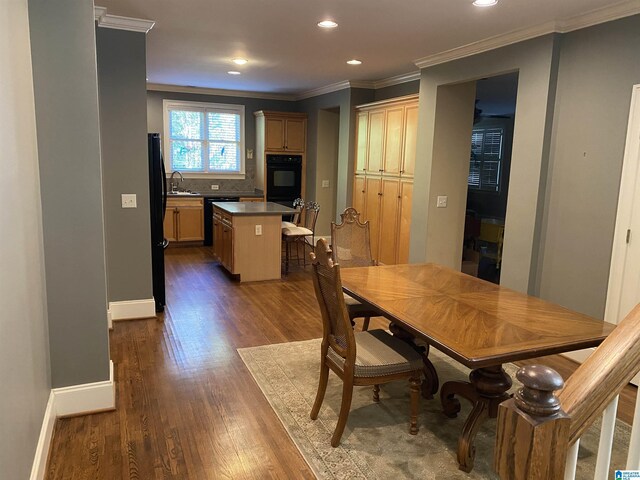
(284, 178)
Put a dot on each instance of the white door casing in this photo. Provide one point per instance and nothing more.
(623, 292)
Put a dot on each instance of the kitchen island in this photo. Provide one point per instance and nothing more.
(247, 238)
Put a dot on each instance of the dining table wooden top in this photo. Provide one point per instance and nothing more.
(475, 322)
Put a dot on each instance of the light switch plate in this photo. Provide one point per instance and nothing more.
(442, 201)
(258, 229)
(129, 200)
(325, 183)
(249, 153)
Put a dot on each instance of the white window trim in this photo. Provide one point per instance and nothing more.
(187, 105)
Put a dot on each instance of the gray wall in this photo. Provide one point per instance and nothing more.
(66, 99)
(24, 344)
(125, 168)
(535, 61)
(312, 106)
(597, 68)
(399, 90)
(155, 124)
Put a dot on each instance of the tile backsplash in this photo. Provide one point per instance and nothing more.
(203, 185)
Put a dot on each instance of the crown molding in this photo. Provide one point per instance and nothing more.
(600, 15)
(160, 87)
(397, 79)
(588, 19)
(99, 12)
(334, 87)
(117, 22)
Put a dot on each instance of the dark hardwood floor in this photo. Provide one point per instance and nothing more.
(187, 408)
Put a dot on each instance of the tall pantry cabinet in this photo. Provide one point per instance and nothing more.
(383, 178)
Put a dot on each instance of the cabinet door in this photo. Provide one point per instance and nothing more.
(393, 140)
(359, 195)
(274, 134)
(404, 229)
(217, 238)
(169, 225)
(295, 135)
(389, 206)
(227, 250)
(190, 224)
(410, 139)
(376, 141)
(362, 142)
(372, 210)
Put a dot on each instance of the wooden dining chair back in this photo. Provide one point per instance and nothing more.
(358, 358)
(350, 240)
(351, 246)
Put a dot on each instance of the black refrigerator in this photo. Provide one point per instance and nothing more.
(158, 202)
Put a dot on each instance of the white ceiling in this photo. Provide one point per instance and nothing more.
(193, 41)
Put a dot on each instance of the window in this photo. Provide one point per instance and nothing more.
(204, 139)
(486, 159)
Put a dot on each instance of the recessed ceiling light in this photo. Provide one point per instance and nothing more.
(327, 24)
(354, 62)
(485, 3)
(240, 61)
(233, 72)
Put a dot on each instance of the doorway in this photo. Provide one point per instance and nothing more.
(488, 179)
(327, 168)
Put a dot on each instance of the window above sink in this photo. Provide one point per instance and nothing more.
(204, 140)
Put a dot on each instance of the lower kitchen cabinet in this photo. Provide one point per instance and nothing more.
(223, 238)
(184, 220)
(385, 202)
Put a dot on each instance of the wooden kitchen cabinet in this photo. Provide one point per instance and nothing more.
(223, 238)
(284, 132)
(184, 220)
(383, 181)
(279, 133)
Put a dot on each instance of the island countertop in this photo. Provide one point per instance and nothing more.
(253, 208)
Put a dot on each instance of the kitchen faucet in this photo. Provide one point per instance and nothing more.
(171, 182)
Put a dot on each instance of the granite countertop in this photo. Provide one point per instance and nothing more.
(217, 194)
(253, 208)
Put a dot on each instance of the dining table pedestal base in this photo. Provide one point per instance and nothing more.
(486, 390)
(430, 382)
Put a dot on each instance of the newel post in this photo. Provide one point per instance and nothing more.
(532, 437)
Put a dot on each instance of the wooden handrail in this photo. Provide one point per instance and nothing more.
(533, 435)
(602, 376)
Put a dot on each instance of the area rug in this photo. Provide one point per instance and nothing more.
(376, 443)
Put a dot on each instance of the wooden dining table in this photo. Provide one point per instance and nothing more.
(479, 324)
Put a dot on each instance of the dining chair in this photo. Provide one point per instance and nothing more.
(301, 234)
(358, 358)
(351, 247)
(298, 205)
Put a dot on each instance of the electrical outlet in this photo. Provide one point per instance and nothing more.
(258, 229)
(215, 187)
(442, 201)
(249, 153)
(325, 183)
(129, 200)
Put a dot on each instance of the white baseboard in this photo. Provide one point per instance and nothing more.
(44, 441)
(86, 398)
(66, 401)
(129, 309)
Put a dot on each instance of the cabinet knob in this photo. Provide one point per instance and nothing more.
(401, 171)
(363, 191)
(381, 170)
(399, 196)
(379, 194)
